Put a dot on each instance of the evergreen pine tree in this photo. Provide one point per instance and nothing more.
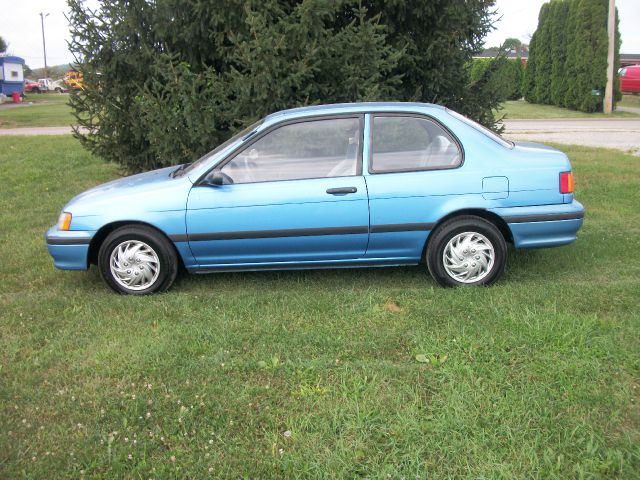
(542, 92)
(166, 81)
(617, 93)
(529, 82)
(571, 55)
(558, 51)
(591, 56)
(568, 57)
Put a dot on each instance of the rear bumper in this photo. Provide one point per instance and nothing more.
(69, 249)
(544, 225)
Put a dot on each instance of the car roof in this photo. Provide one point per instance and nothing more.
(342, 108)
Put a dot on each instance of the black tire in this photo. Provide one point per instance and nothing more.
(157, 243)
(456, 226)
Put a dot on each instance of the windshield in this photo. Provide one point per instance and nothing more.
(482, 129)
(240, 136)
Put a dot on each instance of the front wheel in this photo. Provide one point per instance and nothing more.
(466, 250)
(137, 260)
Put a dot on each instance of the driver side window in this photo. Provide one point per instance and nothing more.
(309, 149)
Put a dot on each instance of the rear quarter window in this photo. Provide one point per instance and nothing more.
(408, 143)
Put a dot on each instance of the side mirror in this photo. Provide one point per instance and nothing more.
(217, 178)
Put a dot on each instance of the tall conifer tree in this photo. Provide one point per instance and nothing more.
(559, 37)
(568, 55)
(543, 51)
(166, 81)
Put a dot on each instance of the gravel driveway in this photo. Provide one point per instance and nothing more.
(31, 131)
(622, 134)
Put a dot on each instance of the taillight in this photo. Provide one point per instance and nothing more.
(566, 182)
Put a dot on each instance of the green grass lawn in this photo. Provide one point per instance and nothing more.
(50, 98)
(521, 109)
(630, 101)
(38, 110)
(314, 374)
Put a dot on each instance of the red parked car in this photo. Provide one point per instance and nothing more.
(630, 79)
(32, 87)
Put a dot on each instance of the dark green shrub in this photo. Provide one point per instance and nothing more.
(166, 81)
(506, 79)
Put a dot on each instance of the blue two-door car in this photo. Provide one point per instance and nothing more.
(350, 185)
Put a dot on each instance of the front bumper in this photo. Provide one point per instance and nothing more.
(69, 249)
(543, 225)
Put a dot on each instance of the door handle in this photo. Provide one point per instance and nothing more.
(341, 190)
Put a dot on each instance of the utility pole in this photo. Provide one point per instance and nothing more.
(611, 27)
(44, 46)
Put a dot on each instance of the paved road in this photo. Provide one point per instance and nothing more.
(622, 134)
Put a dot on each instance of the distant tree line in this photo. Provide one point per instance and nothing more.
(567, 63)
(168, 80)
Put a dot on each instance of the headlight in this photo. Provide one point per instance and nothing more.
(64, 221)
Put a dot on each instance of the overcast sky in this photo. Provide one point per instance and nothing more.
(519, 19)
(20, 27)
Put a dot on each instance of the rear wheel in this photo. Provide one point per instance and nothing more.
(137, 260)
(466, 250)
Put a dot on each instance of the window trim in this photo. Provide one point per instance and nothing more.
(255, 137)
(419, 116)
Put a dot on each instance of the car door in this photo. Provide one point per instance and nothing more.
(412, 168)
(294, 195)
(634, 77)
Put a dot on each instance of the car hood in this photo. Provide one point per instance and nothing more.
(127, 183)
(155, 190)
